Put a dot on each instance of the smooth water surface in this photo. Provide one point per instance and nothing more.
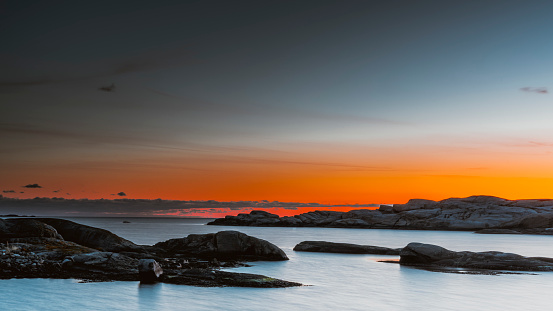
(337, 281)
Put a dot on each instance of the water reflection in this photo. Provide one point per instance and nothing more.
(149, 295)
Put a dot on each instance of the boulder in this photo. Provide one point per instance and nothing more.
(419, 253)
(227, 245)
(346, 248)
(149, 271)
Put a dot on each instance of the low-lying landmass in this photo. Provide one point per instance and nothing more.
(486, 213)
(58, 248)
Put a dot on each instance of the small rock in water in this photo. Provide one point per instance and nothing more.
(149, 271)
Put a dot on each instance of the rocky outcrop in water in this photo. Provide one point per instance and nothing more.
(433, 256)
(228, 245)
(344, 248)
(149, 271)
(57, 248)
(472, 213)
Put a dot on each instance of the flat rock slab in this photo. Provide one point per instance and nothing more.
(345, 248)
(432, 256)
(215, 278)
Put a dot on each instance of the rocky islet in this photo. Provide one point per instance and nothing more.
(58, 248)
(464, 214)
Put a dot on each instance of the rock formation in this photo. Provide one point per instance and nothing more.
(149, 271)
(57, 248)
(345, 248)
(472, 213)
(433, 256)
(227, 245)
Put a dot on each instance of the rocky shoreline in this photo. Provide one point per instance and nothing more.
(57, 248)
(486, 213)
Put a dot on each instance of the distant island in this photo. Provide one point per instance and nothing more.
(484, 214)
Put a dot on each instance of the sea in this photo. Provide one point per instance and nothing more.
(333, 281)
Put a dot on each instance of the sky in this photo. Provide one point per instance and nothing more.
(333, 102)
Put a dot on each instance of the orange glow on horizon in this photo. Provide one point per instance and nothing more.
(400, 175)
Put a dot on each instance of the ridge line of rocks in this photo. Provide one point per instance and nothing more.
(463, 214)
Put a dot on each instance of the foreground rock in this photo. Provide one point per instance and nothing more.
(433, 256)
(206, 277)
(149, 271)
(472, 213)
(89, 236)
(346, 248)
(227, 245)
(57, 248)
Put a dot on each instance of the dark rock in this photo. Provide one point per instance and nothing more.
(149, 271)
(498, 231)
(24, 228)
(96, 238)
(35, 249)
(225, 245)
(346, 248)
(432, 256)
(104, 262)
(205, 277)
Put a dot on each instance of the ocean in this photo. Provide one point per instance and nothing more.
(336, 281)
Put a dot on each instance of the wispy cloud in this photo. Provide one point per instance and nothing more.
(139, 207)
(538, 90)
(145, 62)
(32, 186)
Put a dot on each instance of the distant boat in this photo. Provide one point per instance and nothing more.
(126, 222)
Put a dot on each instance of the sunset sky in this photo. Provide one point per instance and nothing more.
(334, 102)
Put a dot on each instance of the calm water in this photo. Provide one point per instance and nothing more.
(339, 281)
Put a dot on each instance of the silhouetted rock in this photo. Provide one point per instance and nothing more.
(149, 271)
(330, 247)
(226, 245)
(428, 255)
(89, 236)
(20, 228)
(472, 213)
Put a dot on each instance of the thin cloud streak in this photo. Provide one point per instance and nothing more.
(538, 90)
(147, 62)
(141, 207)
